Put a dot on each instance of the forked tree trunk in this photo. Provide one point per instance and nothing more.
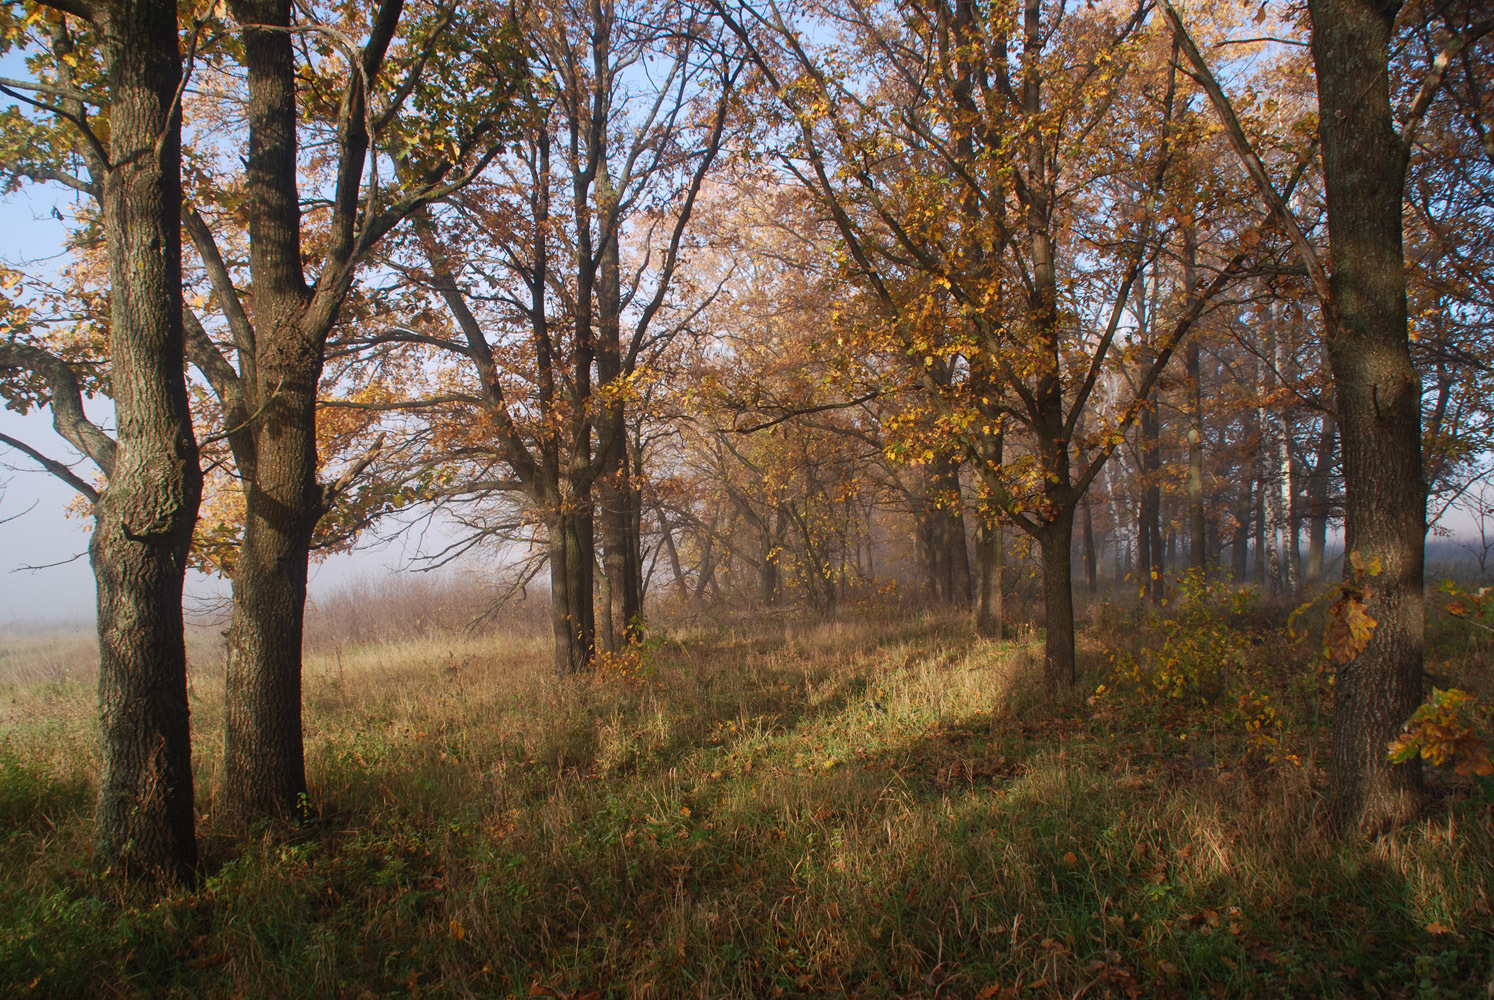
(143, 520)
(680, 585)
(1379, 400)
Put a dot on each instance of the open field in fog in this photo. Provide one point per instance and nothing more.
(783, 809)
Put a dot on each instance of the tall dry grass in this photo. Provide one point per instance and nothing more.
(849, 809)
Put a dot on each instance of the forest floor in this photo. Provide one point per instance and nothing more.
(872, 809)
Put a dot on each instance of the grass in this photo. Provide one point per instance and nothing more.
(850, 809)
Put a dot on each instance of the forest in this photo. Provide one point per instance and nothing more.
(908, 498)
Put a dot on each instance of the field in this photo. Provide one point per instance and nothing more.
(774, 809)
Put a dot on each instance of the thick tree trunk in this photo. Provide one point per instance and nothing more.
(144, 517)
(264, 770)
(1379, 400)
(571, 608)
(960, 578)
(990, 559)
(942, 536)
(263, 761)
(1056, 543)
(957, 583)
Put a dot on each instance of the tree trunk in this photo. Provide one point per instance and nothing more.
(1240, 546)
(1379, 399)
(1317, 501)
(1197, 525)
(1091, 557)
(990, 559)
(571, 614)
(1261, 489)
(957, 581)
(144, 517)
(680, 585)
(622, 564)
(1151, 512)
(1284, 479)
(1056, 542)
(768, 586)
(263, 763)
(263, 766)
(959, 559)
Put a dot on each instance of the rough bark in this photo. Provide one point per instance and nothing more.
(264, 770)
(144, 516)
(263, 763)
(1379, 403)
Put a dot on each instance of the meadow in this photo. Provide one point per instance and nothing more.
(880, 806)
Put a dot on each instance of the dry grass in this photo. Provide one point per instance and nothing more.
(834, 810)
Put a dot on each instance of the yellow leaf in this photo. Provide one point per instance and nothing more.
(457, 930)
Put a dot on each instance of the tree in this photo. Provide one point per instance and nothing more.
(947, 172)
(1361, 289)
(279, 325)
(143, 516)
(557, 272)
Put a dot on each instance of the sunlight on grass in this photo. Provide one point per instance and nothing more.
(822, 810)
